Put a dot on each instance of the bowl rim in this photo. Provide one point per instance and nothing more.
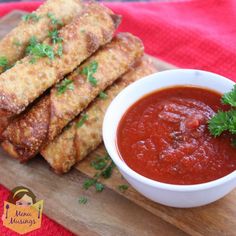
(111, 146)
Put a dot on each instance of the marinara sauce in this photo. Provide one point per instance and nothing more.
(164, 136)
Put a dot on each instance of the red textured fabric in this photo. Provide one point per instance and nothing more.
(189, 34)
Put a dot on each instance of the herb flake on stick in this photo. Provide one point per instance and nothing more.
(89, 71)
(66, 84)
(31, 17)
(80, 123)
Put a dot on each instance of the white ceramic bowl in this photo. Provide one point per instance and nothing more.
(167, 194)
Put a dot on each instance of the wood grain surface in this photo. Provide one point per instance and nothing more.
(112, 212)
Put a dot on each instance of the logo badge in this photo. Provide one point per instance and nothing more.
(22, 213)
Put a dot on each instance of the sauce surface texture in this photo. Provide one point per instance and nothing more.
(164, 136)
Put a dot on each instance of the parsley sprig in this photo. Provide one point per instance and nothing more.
(89, 71)
(31, 17)
(66, 84)
(225, 120)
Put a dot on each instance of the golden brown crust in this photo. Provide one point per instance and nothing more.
(13, 45)
(28, 129)
(75, 143)
(24, 82)
(28, 132)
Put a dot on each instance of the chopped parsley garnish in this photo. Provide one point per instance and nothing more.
(225, 120)
(4, 63)
(99, 163)
(42, 50)
(106, 173)
(99, 187)
(89, 71)
(88, 183)
(54, 20)
(54, 35)
(38, 50)
(31, 17)
(82, 120)
(66, 84)
(83, 200)
(123, 187)
(103, 95)
(104, 165)
(32, 42)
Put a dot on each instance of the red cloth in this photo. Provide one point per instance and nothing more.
(191, 34)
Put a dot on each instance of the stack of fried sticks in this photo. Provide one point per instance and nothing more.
(60, 69)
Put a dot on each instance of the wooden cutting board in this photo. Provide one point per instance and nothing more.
(111, 212)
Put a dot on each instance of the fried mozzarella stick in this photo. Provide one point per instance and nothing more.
(31, 76)
(51, 15)
(83, 135)
(25, 136)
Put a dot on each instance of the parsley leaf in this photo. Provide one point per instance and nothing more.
(99, 187)
(223, 121)
(89, 71)
(83, 200)
(99, 163)
(84, 117)
(88, 183)
(4, 63)
(42, 50)
(54, 35)
(32, 42)
(103, 95)
(123, 187)
(31, 17)
(66, 84)
(104, 165)
(54, 20)
(218, 123)
(108, 171)
(38, 50)
(230, 97)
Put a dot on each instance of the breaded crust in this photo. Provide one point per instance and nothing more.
(23, 83)
(13, 45)
(41, 124)
(75, 143)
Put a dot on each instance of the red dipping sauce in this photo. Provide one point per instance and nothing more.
(164, 136)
